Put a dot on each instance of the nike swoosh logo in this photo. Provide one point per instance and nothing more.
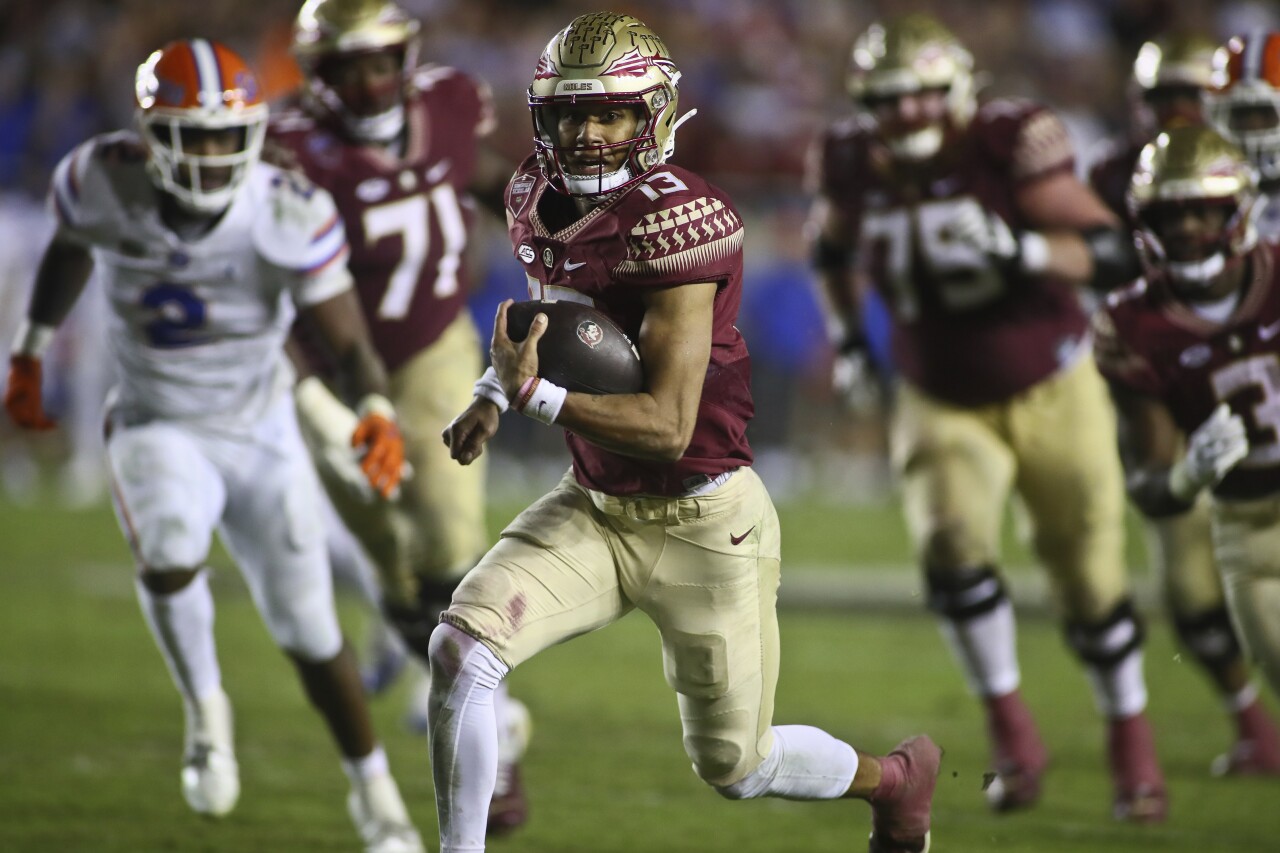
(1266, 333)
(570, 265)
(737, 540)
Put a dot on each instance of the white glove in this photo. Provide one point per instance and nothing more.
(985, 231)
(1212, 450)
(854, 379)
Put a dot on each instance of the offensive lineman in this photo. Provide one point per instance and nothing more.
(204, 254)
(661, 510)
(402, 149)
(971, 224)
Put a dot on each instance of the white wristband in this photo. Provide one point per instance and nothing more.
(541, 400)
(32, 339)
(488, 387)
(1033, 252)
(376, 404)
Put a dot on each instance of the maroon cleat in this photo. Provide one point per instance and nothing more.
(509, 809)
(901, 802)
(1019, 754)
(1140, 795)
(1256, 751)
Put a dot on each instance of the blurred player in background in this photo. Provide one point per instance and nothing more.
(401, 148)
(1170, 77)
(204, 253)
(661, 511)
(1244, 106)
(972, 225)
(1193, 350)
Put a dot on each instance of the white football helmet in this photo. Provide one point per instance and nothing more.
(1244, 103)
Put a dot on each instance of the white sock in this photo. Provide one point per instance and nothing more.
(987, 649)
(805, 764)
(464, 736)
(367, 767)
(1119, 691)
(182, 625)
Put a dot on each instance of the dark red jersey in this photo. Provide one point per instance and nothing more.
(1151, 343)
(673, 228)
(965, 330)
(1112, 172)
(407, 216)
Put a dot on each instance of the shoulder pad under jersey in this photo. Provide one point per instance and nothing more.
(296, 225)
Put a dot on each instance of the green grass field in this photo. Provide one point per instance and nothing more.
(90, 727)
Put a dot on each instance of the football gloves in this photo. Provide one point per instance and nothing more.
(1213, 449)
(379, 444)
(985, 231)
(854, 378)
(22, 396)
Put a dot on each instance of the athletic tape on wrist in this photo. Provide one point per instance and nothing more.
(32, 339)
(540, 400)
(488, 387)
(376, 404)
(1033, 252)
(1181, 485)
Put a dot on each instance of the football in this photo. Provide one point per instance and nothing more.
(582, 349)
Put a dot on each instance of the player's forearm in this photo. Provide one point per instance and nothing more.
(360, 371)
(60, 280)
(636, 425)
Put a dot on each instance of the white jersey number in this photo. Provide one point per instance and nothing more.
(410, 218)
(907, 237)
(1261, 372)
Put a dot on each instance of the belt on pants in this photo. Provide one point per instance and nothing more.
(661, 509)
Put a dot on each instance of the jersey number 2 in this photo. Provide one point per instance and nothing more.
(410, 217)
(179, 316)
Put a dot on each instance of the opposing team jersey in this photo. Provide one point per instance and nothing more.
(673, 228)
(965, 331)
(1151, 343)
(197, 326)
(407, 216)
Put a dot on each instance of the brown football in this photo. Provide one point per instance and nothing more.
(582, 349)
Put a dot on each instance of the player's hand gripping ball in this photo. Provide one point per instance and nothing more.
(582, 350)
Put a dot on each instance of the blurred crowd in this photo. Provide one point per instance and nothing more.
(764, 76)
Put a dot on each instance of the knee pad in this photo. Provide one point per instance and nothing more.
(1109, 641)
(717, 760)
(457, 658)
(1209, 636)
(962, 594)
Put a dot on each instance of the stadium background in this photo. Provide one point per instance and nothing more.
(88, 722)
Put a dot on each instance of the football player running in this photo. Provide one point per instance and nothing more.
(205, 254)
(972, 225)
(661, 510)
(402, 149)
(1193, 352)
(1170, 78)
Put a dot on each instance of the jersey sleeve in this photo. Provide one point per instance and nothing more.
(698, 238)
(1118, 360)
(68, 199)
(301, 232)
(1033, 140)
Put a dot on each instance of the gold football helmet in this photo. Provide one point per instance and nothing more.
(910, 54)
(605, 59)
(1244, 103)
(1170, 76)
(1186, 166)
(327, 31)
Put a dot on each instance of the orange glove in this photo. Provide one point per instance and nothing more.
(380, 444)
(22, 398)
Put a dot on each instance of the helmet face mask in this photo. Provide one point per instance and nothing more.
(603, 64)
(1194, 198)
(202, 120)
(1244, 103)
(356, 56)
(905, 59)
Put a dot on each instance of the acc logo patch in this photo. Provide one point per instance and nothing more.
(590, 333)
(526, 253)
(373, 189)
